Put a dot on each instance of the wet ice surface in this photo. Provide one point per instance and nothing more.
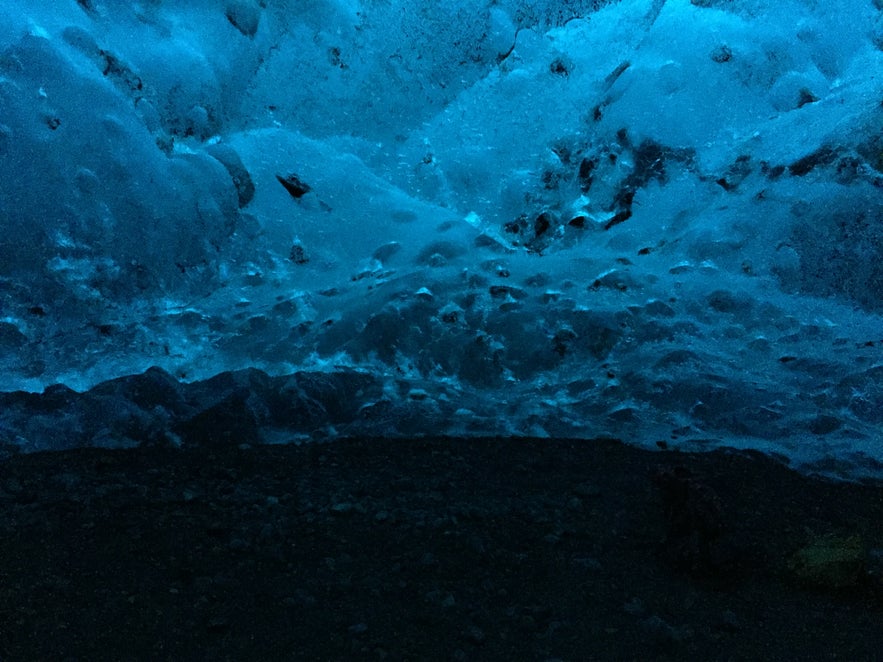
(659, 221)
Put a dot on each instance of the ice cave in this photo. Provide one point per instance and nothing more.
(281, 221)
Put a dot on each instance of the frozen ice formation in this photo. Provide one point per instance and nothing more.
(660, 220)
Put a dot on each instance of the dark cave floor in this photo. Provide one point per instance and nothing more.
(434, 549)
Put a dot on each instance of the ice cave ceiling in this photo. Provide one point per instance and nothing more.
(660, 220)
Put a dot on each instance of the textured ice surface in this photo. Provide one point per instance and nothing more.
(657, 220)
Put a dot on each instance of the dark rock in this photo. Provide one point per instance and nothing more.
(110, 65)
(153, 388)
(542, 224)
(307, 400)
(336, 60)
(805, 97)
(619, 217)
(821, 157)
(560, 68)
(650, 158)
(772, 172)
(120, 73)
(586, 168)
(298, 254)
(228, 423)
(53, 399)
(294, 185)
(624, 197)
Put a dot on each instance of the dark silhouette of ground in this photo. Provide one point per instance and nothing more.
(442, 549)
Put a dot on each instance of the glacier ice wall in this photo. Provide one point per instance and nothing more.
(657, 219)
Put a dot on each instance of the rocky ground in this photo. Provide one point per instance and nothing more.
(441, 549)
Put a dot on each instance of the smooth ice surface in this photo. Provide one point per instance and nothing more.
(655, 219)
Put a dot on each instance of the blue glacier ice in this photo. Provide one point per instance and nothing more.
(659, 220)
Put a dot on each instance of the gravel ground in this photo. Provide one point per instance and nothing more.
(434, 549)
